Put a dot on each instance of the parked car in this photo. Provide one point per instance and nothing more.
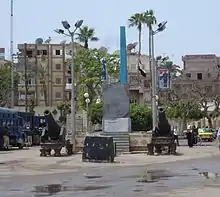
(206, 134)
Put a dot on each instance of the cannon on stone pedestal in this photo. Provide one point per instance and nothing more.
(162, 136)
(53, 137)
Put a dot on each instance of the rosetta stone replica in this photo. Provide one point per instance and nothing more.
(116, 115)
(162, 136)
(53, 137)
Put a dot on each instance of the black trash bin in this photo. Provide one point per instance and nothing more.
(98, 149)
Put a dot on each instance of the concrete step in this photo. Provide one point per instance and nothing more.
(121, 139)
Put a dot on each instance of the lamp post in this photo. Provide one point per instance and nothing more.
(161, 27)
(87, 101)
(71, 34)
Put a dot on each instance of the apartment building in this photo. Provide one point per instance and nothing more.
(140, 87)
(47, 73)
(202, 69)
(2, 57)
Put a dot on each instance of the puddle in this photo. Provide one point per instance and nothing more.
(48, 189)
(151, 176)
(89, 176)
(56, 188)
(90, 187)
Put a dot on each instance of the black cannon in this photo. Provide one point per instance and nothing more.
(163, 128)
(53, 137)
(162, 136)
(53, 131)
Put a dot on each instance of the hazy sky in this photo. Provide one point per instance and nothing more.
(193, 25)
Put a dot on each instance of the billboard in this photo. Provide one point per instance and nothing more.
(2, 53)
(164, 79)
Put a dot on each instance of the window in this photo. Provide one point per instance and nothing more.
(29, 53)
(188, 75)
(58, 66)
(44, 52)
(38, 52)
(133, 100)
(147, 83)
(57, 52)
(133, 66)
(58, 80)
(199, 76)
(58, 95)
(69, 80)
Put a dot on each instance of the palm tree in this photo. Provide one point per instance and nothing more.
(85, 35)
(166, 63)
(150, 20)
(137, 20)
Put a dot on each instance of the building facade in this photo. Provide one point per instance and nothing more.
(47, 73)
(202, 71)
(50, 82)
(140, 87)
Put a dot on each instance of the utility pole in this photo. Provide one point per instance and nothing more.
(25, 77)
(11, 54)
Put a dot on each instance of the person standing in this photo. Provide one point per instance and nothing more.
(190, 138)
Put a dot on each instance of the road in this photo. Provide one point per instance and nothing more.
(122, 180)
(114, 181)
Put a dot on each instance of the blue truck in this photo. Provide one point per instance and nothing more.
(11, 124)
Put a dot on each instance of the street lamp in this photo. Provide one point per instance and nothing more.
(71, 34)
(87, 101)
(161, 27)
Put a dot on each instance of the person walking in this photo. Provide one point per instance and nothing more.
(218, 138)
(176, 137)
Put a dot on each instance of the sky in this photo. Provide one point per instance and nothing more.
(193, 26)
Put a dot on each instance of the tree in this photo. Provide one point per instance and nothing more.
(184, 110)
(166, 63)
(85, 35)
(43, 77)
(64, 109)
(207, 94)
(150, 20)
(137, 20)
(88, 67)
(141, 119)
(96, 113)
(5, 84)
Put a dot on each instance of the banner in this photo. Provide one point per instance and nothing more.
(164, 79)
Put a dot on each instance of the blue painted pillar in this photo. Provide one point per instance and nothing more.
(123, 57)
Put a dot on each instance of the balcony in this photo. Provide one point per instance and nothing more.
(31, 87)
(69, 86)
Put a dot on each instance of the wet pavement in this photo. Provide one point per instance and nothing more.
(121, 181)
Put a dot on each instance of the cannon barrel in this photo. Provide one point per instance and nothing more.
(53, 127)
(163, 124)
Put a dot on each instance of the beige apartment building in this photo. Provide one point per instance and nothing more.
(200, 69)
(140, 87)
(52, 59)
